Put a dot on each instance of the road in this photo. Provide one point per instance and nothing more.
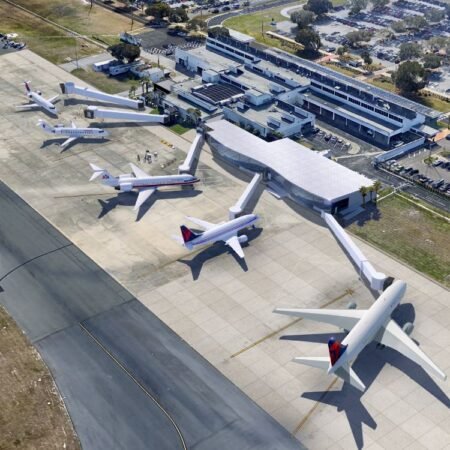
(218, 20)
(128, 381)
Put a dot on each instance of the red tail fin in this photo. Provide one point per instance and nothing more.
(27, 86)
(188, 235)
(336, 349)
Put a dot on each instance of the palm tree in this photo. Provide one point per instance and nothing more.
(376, 188)
(363, 191)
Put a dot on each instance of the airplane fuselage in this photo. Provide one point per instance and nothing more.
(79, 132)
(224, 231)
(377, 316)
(127, 182)
(42, 102)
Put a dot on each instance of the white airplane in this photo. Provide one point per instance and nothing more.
(145, 184)
(365, 326)
(226, 232)
(72, 132)
(37, 101)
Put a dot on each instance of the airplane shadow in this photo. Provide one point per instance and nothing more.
(129, 199)
(49, 142)
(219, 248)
(369, 364)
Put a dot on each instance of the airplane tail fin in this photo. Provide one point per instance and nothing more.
(98, 171)
(187, 234)
(336, 349)
(45, 126)
(27, 86)
(344, 373)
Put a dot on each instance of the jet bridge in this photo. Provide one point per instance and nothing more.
(238, 209)
(378, 281)
(194, 150)
(72, 88)
(92, 112)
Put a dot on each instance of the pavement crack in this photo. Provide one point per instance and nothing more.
(33, 259)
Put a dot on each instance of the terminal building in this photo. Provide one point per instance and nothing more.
(284, 93)
(289, 169)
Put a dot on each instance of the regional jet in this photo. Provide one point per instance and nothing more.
(72, 132)
(226, 232)
(37, 101)
(145, 184)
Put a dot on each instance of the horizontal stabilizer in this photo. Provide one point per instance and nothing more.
(97, 171)
(344, 373)
(201, 223)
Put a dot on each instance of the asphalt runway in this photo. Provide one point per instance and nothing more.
(128, 381)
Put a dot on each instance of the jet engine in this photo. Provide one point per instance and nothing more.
(243, 239)
(351, 305)
(126, 187)
(408, 328)
(39, 92)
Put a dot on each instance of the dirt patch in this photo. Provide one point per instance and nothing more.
(32, 413)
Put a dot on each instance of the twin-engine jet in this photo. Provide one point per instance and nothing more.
(37, 101)
(226, 232)
(365, 326)
(72, 132)
(145, 184)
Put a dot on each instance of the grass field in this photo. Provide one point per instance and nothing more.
(414, 235)
(110, 85)
(349, 72)
(55, 44)
(179, 129)
(32, 415)
(254, 24)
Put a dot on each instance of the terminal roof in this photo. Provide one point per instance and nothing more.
(297, 164)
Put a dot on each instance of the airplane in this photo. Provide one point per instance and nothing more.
(374, 323)
(73, 132)
(38, 100)
(145, 184)
(225, 231)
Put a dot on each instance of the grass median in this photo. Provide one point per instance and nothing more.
(412, 234)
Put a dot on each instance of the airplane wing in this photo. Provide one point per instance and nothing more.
(138, 173)
(143, 196)
(234, 243)
(342, 318)
(201, 223)
(68, 141)
(394, 337)
(29, 105)
(51, 100)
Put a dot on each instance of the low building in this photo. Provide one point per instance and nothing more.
(290, 169)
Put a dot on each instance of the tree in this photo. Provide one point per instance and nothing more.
(399, 26)
(416, 22)
(365, 55)
(379, 4)
(435, 15)
(409, 50)
(409, 77)
(318, 7)
(218, 32)
(303, 18)
(342, 50)
(363, 191)
(376, 187)
(309, 39)
(195, 24)
(431, 61)
(355, 38)
(158, 10)
(357, 6)
(124, 51)
(178, 15)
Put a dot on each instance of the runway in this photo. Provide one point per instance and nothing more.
(128, 381)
